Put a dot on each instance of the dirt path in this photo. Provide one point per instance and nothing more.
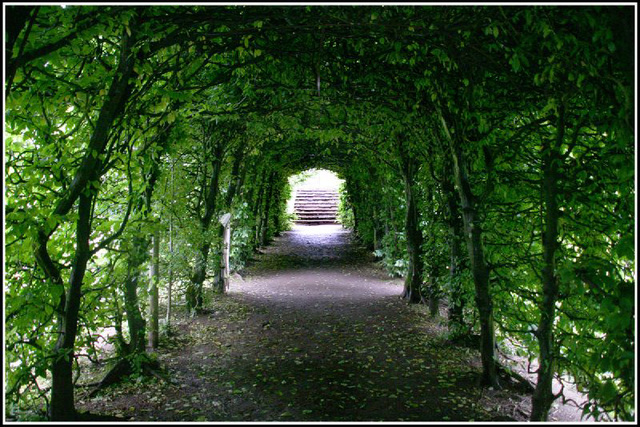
(313, 332)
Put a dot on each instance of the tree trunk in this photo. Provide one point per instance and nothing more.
(194, 291)
(267, 206)
(394, 228)
(137, 325)
(415, 275)
(138, 255)
(434, 300)
(62, 406)
(154, 276)
(194, 294)
(258, 209)
(543, 395)
(456, 304)
(62, 397)
(479, 268)
(433, 291)
(222, 279)
(353, 194)
(170, 284)
(277, 227)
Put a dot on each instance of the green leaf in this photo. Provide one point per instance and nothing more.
(625, 247)
(608, 391)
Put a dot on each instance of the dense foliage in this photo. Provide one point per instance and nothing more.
(487, 152)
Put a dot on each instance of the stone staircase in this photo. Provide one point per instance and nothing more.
(316, 207)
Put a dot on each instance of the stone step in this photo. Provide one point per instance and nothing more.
(316, 205)
(316, 208)
(315, 222)
(318, 211)
(321, 193)
(316, 199)
(315, 212)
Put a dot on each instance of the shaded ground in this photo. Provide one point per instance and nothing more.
(313, 332)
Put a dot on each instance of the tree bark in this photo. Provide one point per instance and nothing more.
(235, 182)
(62, 396)
(479, 268)
(415, 275)
(137, 325)
(112, 107)
(267, 208)
(170, 283)
(353, 195)
(433, 291)
(194, 291)
(257, 211)
(277, 226)
(138, 255)
(543, 395)
(456, 304)
(62, 406)
(154, 276)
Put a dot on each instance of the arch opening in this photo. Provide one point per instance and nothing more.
(316, 197)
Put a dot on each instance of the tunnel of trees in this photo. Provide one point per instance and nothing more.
(488, 149)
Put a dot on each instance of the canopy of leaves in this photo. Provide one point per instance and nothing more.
(99, 96)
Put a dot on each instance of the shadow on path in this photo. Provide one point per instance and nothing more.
(314, 332)
(337, 342)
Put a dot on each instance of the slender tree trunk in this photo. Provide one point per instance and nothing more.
(194, 295)
(353, 194)
(277, 227)
(415, 275)
(393, 227)
(543, 394)
(138, 255)
(267, 206)
(62, 396)
(235, 182)
(479, 268)
(154, 276)
(258, 208)
(433, 269)
(121, 344)
(434, 300)
(170, 284)
(62, 406)
(194, 292)
(456, 304)
(375, 239)
(137, 325)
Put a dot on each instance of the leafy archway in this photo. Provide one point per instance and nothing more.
(487, 153)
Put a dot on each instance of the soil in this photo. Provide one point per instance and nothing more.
(313, 330)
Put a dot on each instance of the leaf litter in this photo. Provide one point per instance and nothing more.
(347, 348)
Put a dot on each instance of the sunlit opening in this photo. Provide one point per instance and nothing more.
(315, 197)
